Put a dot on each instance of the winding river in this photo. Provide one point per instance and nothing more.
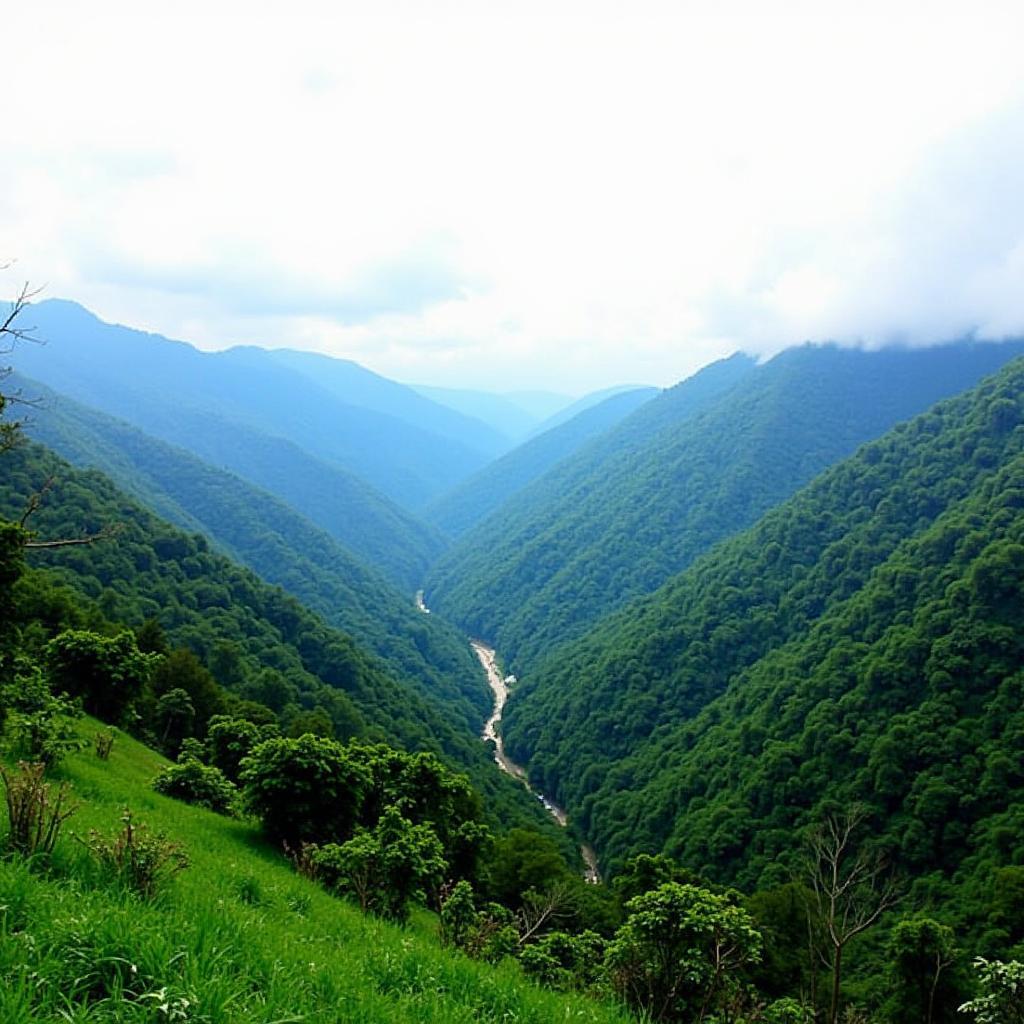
(492, 734)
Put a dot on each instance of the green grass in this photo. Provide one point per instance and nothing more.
(236, 937)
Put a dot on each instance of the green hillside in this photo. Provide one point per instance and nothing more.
(263, 533)
(476, 498)
(257, 640)
(695, 465)
(237, 937)
(860, 646)
(182, 395)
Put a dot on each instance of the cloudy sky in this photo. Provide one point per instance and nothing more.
(559, 194)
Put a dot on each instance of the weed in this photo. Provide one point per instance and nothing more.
(141, 861)
(35, 815)
(104, 743)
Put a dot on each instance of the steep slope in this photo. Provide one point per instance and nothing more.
(179, 394)
(476, 498)
(274, 541)
(257, 640)
(588, 401)
(356, 385)
(861, 644)
(619, 519)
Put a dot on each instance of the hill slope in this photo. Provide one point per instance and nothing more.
(476, 498)
(179, 394)
(258, 641)
(269, 537)
(622, 517)
(861, 644)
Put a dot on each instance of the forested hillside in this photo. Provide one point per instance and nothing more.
(476, 498)
(862, 645)
(691, 467)
(184, 396)
(255, 639)
(263, 533)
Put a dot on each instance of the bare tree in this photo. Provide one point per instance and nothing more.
(853, 887)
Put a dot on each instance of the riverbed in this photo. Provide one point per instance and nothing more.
(492, 734)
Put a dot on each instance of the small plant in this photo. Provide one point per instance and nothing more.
(40, 726)
(35, 815)
(142, 861)
(103, 742)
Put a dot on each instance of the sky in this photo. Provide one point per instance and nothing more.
(514, 195)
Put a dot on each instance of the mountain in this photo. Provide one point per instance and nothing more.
(691, 467)
(358, 386)
(514, 416)
(376, 530)
(258, 641)
(860, 646)
(588, 401)
(269, 537)
(180, 395)
(476, 498)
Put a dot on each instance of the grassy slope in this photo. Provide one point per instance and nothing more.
(238, 935)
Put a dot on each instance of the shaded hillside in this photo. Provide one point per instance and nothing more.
(274, 541)
(179, 394)
(861, 644)
(356, 385)
(627, 513)
(373, 528)
(476, 498)
(258, 641)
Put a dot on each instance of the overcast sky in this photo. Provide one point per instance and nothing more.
(558, 194)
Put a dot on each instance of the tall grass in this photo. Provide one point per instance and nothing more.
(238, 937)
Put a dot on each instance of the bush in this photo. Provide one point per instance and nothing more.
(35, 816)
(142, 862)
(197, 783)
(40, 726)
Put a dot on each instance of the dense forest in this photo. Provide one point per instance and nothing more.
(861, 646)
(693, 466)
(798, 757)
(271, 538)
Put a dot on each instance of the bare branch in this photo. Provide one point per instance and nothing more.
(105, 534)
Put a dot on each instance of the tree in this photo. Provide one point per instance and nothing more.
(1001, 993)
(304, 790)
(386, 868)
(108, 673)
(175, 715)
(676, 951)
(919, 952)
(852, 889)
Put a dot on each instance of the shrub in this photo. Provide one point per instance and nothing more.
(40, 726)
(103, 742)
(141, 861)
(35, 816)
(197, 783)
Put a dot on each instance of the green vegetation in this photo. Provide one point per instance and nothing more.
(697, 464)
(860, 647)
(280, 545)
(476, 498)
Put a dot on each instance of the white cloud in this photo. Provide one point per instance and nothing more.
(563, 194)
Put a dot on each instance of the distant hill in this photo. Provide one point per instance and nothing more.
(358, 386)
(587, 402)
(514, 416)
(861, 645)
(691, 467)
(179, 394)
(476, 498)
(262, 532)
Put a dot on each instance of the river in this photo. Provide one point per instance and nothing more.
(492, 734)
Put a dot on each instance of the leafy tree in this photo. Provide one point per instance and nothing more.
(678, 951)
(1001, 996)
(564, 961)
(920, 952)
(522, 861)
(175, 715)
(229, 739)
(386, 868)
(107, 673)
(304, 789)
(40, 726)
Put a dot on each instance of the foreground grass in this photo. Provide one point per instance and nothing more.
(237, 937)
